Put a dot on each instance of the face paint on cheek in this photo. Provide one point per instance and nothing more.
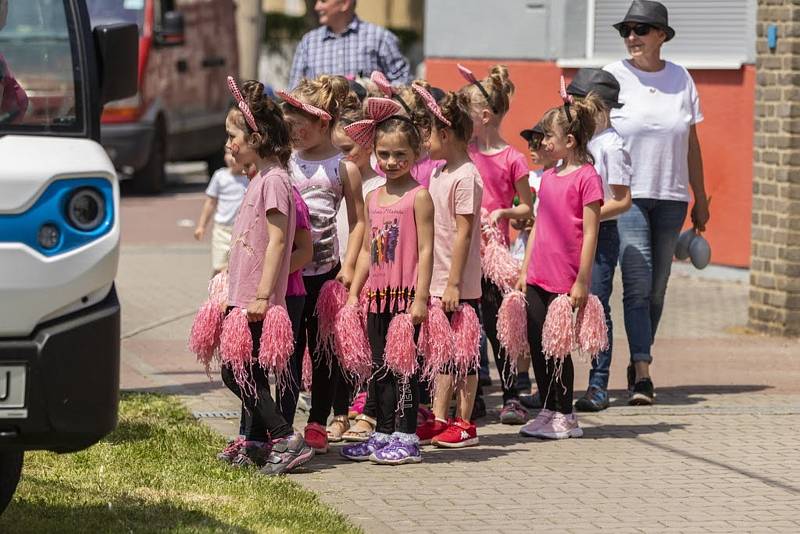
(234, 149)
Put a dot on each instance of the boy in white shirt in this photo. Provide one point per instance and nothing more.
(225, 192)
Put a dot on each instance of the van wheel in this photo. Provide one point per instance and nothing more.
(150, 179)
(10, 470)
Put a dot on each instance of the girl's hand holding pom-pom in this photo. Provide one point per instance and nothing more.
(352, 300)
(579, 294)
(451, 298)
(522, 284)
(257, 309)
(496, 215)
(345, 277)
(418, 312)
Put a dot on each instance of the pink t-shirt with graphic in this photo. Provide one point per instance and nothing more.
(295, 287)
(271, 189)
(456, 192)
(558, 237)
(394, 256)
(500, 173)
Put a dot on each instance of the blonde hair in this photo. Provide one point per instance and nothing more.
(498, 86)
(416, 105)
(577, 120)
(329, 93)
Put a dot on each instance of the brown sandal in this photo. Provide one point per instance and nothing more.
(338, 426)
(361, 430)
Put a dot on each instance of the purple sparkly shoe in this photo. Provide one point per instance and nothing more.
(401, 449)
(361, 452)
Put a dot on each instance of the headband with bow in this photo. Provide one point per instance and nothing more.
(243, 107)
(308, 108)
(430, 103)
(378, 110)
(567, 98)
(470, 77)
(379, 79)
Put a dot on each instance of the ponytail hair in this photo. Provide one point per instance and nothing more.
(272, 127)
(415, 106)
(455, 108)
(498, 87)
(580, 123)
(328, 93)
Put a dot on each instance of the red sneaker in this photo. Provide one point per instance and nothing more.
(316, 437)
(459, 434)
(429, 430)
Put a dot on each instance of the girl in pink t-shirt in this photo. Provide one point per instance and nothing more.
(560, 256)
(325, 180)
(504, 171)
(258, 271)
(395, 264)
(456, 189)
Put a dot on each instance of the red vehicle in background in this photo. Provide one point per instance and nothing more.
(186, 49)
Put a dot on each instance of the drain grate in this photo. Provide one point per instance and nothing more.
(216, 415)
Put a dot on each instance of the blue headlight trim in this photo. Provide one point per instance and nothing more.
(51, 207)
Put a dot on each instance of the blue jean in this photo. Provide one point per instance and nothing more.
(648, 233)
(605, 263)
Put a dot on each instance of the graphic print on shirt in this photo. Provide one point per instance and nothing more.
(384, 242)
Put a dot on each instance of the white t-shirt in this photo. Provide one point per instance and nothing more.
(655, 121)
(611, 161)
(229, 190)
(342, 224)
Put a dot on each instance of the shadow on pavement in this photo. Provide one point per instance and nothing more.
(690, 394)
(603, 431)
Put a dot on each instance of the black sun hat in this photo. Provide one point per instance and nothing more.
(648, 12)
(530, 132)
(597, 81)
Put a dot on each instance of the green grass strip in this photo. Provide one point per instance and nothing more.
(158, 473)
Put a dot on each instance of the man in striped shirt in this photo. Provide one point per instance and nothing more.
(347, 45)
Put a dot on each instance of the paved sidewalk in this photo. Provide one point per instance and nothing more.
(718, 453)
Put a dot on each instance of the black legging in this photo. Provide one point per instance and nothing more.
(329, 388)
(261, 418)
(491, 300)
(555, 390)
(287, 399)
(385, 388)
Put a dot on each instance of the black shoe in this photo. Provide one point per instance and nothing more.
(478, 409)
(595, 400)
(631, 378)
(484, 380)
(642, 393)
(531, 402)
(287, 454)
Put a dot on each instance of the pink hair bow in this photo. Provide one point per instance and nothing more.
(430, 102)
(567, 98)
(243, 107)
(379, 79)
(308, 108)
(470, 77)
(378, 110)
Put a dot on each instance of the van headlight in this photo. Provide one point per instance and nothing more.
(86, 209)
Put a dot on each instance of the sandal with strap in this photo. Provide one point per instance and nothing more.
(361, 430)
(338, 426)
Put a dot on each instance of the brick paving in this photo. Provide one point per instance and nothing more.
(717, 453)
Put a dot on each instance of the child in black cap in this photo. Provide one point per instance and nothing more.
(613, 163)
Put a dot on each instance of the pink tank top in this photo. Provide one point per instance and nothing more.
(393, 253)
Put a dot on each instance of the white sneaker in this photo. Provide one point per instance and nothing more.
(561, 426)
(534, 427)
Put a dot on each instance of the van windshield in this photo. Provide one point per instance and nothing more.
(38, 87)
(112, 11)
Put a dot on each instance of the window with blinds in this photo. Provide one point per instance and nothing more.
(719, 32)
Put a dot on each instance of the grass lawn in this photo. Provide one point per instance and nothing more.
(158, 473)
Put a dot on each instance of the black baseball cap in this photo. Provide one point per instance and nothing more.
(535, 130)
(597, 81)
(358, 89)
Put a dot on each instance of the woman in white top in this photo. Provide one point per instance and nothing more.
(658, 122)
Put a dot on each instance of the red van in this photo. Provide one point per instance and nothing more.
(186, 49)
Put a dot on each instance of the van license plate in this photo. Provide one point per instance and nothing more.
(12, 392)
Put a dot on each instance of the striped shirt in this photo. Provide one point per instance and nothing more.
(359, 50)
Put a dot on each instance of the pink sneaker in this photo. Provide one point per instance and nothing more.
(357, 408)
(561, 427)
(533, 427)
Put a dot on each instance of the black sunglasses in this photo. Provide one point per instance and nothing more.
(536, 141)
(640, 29)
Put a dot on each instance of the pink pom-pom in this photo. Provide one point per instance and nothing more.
(400, 355)
(332, 297)
(558, 332)
(512, 325)
(467, 337)
(436, 342)
(236, 349)
(277, 345)
(218, 288)
(499, 266)
(308, 370)
(206, 329)
(591, 328)
(352, 345)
